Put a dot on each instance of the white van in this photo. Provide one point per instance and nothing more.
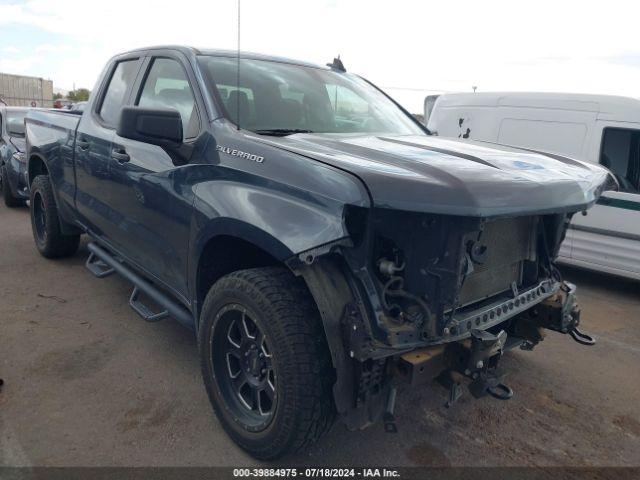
(593, 128)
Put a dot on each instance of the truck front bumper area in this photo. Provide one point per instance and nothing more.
(369, 368)
(481, 351)
(470, 357)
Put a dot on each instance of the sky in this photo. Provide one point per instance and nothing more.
(410, 48)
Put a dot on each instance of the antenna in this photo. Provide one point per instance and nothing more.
(238, 75)
(337, 65)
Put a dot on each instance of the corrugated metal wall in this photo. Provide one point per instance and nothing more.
(17, 90)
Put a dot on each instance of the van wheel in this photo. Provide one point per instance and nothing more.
(45, 223)
(9, 200)
(265, 362)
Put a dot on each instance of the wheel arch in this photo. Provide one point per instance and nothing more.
(225, 245)
(37, 165)
(326, 280)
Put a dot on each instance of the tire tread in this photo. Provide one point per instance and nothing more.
(56, 245)
(288, 303)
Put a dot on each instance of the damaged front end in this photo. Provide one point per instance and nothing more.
(418, 296)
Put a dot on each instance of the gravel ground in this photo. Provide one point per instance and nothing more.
(89, 383)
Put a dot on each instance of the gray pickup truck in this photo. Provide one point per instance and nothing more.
(320, 243)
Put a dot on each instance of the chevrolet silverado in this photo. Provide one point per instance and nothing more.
(320, 243)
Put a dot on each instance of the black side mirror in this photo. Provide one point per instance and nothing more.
(162, 127)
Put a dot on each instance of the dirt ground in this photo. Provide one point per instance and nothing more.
(89, 383)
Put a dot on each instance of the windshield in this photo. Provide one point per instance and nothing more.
(277, 99)
(15, 123)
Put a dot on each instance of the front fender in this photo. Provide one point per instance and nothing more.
(299, 221)
(273, 217)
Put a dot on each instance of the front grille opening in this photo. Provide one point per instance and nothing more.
(510, 243)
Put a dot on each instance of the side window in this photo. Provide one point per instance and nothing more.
(114, 98)
(621, 154)
(167, 86)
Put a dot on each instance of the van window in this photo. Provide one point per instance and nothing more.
(620, 153)
(114, 98)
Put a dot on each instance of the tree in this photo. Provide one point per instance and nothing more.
(79, 95)
(57, 96)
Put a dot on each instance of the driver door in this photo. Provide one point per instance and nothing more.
(149, 187)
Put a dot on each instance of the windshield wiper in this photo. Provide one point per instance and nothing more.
(281, 132)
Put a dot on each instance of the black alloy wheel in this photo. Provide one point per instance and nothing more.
(242, 363)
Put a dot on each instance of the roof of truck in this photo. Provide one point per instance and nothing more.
(228, 53)
(611, 106)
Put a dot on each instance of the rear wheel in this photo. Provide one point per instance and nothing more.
(45, 223)
(265, 361)
(9, 199)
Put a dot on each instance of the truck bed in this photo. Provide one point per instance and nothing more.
(51, 135)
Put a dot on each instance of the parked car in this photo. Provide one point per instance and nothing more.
(599, 129)
(318, 241)
(13, 166)
(62, 104)
(77, 106)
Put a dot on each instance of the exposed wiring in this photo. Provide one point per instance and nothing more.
(399, 292)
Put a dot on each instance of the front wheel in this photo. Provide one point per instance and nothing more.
(265, 361)
(45, 223)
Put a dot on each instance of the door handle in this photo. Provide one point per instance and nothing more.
(120, 155)
(83, 144)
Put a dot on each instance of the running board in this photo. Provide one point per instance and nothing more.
(97, 267)
(101, 264)
(144, 311)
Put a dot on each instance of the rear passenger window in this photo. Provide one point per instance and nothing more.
(167, 86)
(114, 98)
(621, 154)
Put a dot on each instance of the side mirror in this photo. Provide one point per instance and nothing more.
(150, 125)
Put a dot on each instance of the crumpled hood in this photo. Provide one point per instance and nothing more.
(436, 175)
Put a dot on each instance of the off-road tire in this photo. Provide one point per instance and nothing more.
(45, 223)
(289, 318)
(9, 200)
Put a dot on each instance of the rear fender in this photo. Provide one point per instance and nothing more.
(38, 165)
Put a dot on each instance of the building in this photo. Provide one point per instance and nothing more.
(20, 90)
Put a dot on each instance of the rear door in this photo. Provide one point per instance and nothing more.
(148, 186)
(95, 186)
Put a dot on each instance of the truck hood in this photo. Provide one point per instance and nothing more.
(436, 175)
